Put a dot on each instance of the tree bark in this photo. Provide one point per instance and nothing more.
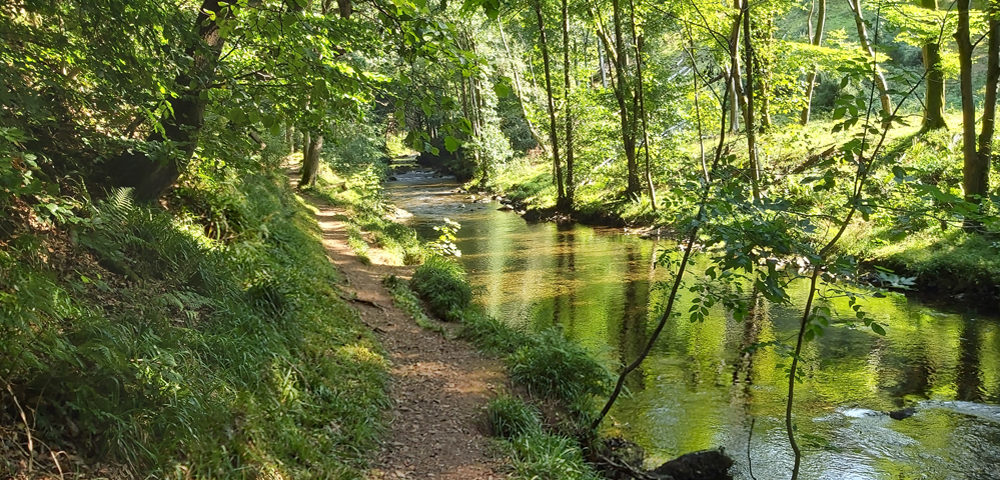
(567, 200)
(883, 87)
(735, 85)
(749, 113)
(934, 82)
(970, 167)
(150, 177)
(310, 159)
(640, 92)
(553, 137)
(627, 112)
(817, 39)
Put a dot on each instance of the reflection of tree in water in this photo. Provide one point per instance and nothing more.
(564, 303)
(969, 382)
(757, 315)
(633, 325)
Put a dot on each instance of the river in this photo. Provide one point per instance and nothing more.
(697, 390)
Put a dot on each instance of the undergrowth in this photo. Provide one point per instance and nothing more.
(189, 346)
(358, 190)
(547, 365)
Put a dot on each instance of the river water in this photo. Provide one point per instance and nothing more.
(697, 390)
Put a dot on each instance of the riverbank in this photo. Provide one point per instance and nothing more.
(916, 234)
(438, 387)
(705, 381)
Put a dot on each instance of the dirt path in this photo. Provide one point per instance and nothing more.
(439, 387)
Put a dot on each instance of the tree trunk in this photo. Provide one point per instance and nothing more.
(970, 169)
(762, 64)
(150, 177)
(521, 99)
(557, 169)
(976, 179)
(567, 200)
(883, 87)
(345, 8)
(627, 113)
(310, 159)
(749, 113)
(817, 39)
(640, 92)
(735, 85)
(934, 81)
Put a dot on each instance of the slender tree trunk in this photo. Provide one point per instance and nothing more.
(553, 137)
(603, 66)
(567, 200)
(977, 184)
(521, 99)
(970, 170)
(150, 177)
(762, 63)
(817, 40)
(749, 113)
(627, 114)
(883, 87)
(735, 85)
(640, 92)
(934, 81)
(310, 159)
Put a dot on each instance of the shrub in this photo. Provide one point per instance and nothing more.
(541, 456)
(492, 335)
(511, 417)
(441, 283)
(554, 367)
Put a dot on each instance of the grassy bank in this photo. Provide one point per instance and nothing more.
(207, 340)
(551, 374)
(914, 228)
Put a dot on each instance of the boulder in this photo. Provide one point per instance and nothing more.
(702, 465)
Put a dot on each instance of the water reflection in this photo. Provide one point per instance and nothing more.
(701, 385)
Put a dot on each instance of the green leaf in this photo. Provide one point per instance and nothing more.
(878, 328)
(452, 144)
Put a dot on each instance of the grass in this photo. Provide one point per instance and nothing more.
(442, 284)
(150, 342)
(546, 365)
(510, 417)
(358, 189)
(404, 298)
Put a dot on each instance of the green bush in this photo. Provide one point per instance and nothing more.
(490, 334)
(511, 417)
(555, 367)
(541, 456)
(441, 283)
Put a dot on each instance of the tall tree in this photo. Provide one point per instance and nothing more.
(553, 137)
(816, 37)
(934, 83)
(748, 114)
(566, 202)
(640, 92)
(883, 87)
(628, 102)
(151, 176)
(976, 159)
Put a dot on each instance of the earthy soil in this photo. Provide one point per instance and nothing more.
(439, 386)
